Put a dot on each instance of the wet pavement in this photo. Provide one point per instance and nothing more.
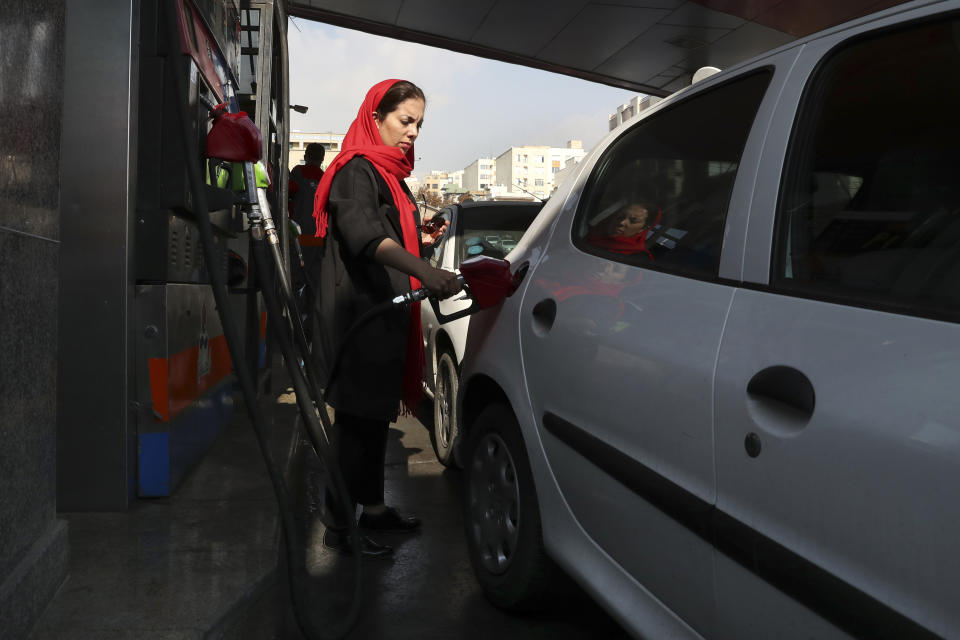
(427, 591)
(179, 567)
(203, 563)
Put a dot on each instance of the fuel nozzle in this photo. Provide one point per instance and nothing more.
(486, 282)
(421, 294)
(295, 232)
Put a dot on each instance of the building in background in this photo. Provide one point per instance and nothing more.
(435, 182)
(563, 157)
(452, 193)
(455, 178)
(631, 109)
(501, 192)
(480, 174)
(532, 168)
(519, 173)
(565, 173)
(299, 140)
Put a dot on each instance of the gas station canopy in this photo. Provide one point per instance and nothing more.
(649, 46)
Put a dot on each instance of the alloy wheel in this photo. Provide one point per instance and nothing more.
(494, 503)
(442, 397)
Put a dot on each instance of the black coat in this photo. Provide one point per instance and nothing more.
(370, 374)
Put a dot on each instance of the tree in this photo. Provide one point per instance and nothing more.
(431, 198)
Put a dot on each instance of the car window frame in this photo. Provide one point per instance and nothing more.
(598, 169)
(436, 257)
(809, 108)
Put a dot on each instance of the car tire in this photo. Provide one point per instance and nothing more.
(446, 426)
(502, 516)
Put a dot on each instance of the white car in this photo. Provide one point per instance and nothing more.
(472, 224)
(742, 422)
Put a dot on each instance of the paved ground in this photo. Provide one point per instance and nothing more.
(428, 590)
(184, 567)
(201, 564)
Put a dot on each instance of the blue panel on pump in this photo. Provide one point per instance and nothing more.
(154, 464)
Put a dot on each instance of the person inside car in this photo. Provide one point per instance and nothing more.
(626, 230)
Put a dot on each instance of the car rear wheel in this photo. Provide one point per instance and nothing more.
(502, 516)
(445, 425)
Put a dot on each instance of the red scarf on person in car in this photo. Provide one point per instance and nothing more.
(363, 139)
(626, 245)
(621, 244)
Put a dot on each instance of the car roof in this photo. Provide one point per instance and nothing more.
(500, 204)
(496, 215)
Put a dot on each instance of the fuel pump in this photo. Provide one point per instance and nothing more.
(239, 142)
(234, 138)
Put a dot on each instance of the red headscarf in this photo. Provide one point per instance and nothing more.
(363, 139)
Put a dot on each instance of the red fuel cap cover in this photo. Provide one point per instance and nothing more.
(489, 279)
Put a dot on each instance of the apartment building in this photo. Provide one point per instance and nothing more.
(455, 178)
(480, 174)
(564, 173)
(436, 182)
(532, 168)
(299, 140)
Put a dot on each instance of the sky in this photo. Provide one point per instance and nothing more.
(475, 107)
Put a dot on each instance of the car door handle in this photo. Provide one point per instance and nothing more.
(544, 313)
(781, 400)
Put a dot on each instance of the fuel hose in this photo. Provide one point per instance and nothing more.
(315, 421)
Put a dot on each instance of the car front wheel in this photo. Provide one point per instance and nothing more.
(445, 425)
(502, 517)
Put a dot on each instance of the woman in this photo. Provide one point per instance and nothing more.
(626, 231)
(372, 253)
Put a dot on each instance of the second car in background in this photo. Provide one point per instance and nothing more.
(476, 228)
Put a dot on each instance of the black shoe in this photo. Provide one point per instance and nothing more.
(389, 520)
(340, 541)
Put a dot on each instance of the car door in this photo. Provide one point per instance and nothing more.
(838, 417)
(620, 335)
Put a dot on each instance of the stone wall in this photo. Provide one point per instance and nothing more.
(34, 551)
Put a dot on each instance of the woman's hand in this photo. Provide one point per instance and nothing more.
(431, 234)
(441, 283)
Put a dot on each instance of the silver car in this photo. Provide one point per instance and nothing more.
(740, 418)
(472, 225)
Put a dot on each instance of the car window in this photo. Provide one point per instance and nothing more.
(659, 195)
(493, 230)
(870, 207)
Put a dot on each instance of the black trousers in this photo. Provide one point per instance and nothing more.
(361, 449)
